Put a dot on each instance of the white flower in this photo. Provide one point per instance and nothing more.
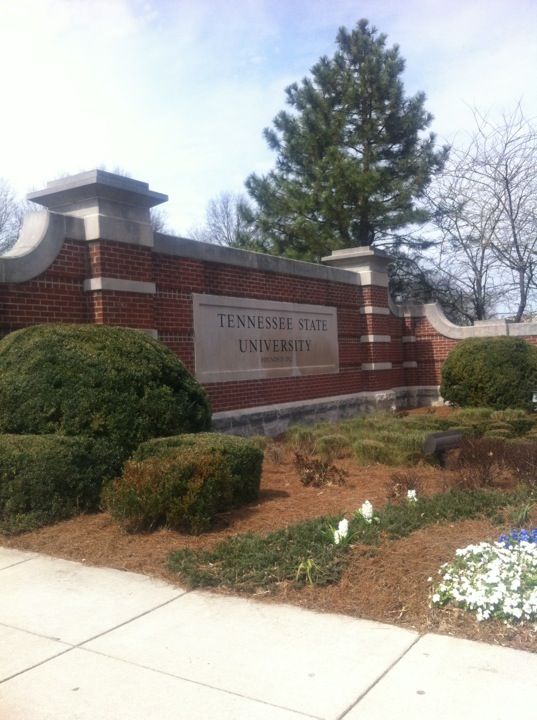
(492, 580)
(366, 511)
(411, 496)
(342, 531)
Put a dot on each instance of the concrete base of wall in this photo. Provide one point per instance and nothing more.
(271, 420)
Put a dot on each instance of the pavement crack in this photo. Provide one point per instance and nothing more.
(130, 620)
(201, 684)
(380, 677)
(36, 634)
(36, 665)
(19, 562)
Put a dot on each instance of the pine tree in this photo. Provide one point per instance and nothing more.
(352, 161)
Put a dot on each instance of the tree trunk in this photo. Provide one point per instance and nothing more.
(523, 296)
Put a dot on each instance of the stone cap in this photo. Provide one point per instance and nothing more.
(369, 263)
(359, 259)
(72, 191)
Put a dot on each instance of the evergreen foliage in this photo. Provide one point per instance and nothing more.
(351, 159)
(113, 384)
(243, 457)
(494, 372)
(46, 478)
(184, 482)
(305, 553)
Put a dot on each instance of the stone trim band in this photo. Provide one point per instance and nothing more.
(120, 285)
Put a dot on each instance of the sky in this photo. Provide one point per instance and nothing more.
(177, 92)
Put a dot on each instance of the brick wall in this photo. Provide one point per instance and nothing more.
(55, 296)
(378, 350)
(177, 278)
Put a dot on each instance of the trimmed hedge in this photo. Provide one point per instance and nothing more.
(98, 381)
(243, 458)
(495, 372)
(183, 482)
(46, 478)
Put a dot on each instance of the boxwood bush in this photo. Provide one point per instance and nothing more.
(183, 482)
(45, 478)
(495, 372)
(243, 458)
(99, 381)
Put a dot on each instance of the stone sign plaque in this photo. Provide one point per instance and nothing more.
(245, 339)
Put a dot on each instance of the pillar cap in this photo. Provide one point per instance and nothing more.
(71, 191)
(359, 259)
(113, 207)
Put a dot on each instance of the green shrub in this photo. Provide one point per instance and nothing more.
(509, 415)
(500, 434)
(333, 446)
(519, 422)
(464, 429)
(522, 426)
(471, 415)
(384, 438)
(424, 423)
(301, 439)
(184, 481)
(496, 372)
(261, 441)
(409, 442)
(46, 478)
(241, 457)
(97, 381)
(470, 420)
(389, 447)
(500, 429)
(183, 492)
(273, 451)
(372, 451)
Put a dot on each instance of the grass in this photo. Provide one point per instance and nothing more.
(306, 554)
(250, 561)
(390, 439)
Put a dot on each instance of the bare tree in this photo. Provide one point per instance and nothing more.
(159, 216)
(509, 155)
(464, 222)
(159, 221)
(415, 279)
(226, 222)
(12, 212)
(486, 214)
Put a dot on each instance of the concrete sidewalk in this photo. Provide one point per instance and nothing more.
(85, 643)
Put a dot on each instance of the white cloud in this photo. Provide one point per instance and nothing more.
(178, 92)
(469, 54)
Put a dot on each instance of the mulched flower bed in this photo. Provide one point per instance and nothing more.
(388, 583)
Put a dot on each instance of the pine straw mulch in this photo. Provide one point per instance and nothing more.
(388, 583)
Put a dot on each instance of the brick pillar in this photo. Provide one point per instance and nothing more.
(115, 212)
(382, 358)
